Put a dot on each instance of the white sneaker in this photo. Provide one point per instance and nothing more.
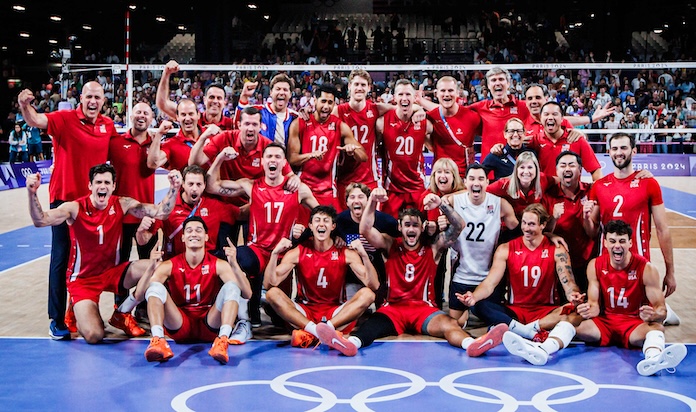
(672, 318)
(526, 349)
(667, 359)
(241, 333)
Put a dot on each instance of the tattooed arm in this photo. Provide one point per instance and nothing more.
(446, 238)
(65, 212)
(564, 271)
(160, 211)
(229, 188)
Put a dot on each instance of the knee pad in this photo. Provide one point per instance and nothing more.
(157, 290)
(229, 291)
(564, 331)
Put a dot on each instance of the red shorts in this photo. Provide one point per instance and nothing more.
(316, 312)
(412, 316)
(262, 255)
(398, 201)
(92, 287)
(194, 326)
(527, 314)
(616, 329)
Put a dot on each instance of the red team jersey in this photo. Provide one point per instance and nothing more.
(321, 276)
(211, 210)
(531, 274)
(410, 274)
(96, 239)
(630, 200)
(569, 225)
(534, 129)
(247, 164)
(403, 144)
(272, 214)
(621, 291)
(133, 177)
(463, 125)
(77, 146)
(493, 119)
(194, 290)
(547, 152)
(362, 124)
(178, 149)
(320, 175)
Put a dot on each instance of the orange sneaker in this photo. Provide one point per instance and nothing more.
(488, 341)
(334, 339)
(219, 350)
(70, 321)
(127, 323)
(158, 350)
(303, 339)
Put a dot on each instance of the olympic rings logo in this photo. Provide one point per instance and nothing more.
(326, 399)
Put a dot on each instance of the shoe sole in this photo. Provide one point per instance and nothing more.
(54, 336)
(157, 357)
(329, 337)
(220, 358)
(669, 358)
(517, 346)
(490, 340)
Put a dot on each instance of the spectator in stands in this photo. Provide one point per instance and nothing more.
(647, 137)
(18, 144)
(34, 146)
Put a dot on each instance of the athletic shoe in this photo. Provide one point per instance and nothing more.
(541, 336)
(241, 333)
(488, 341)
(219, 350)
(672, 319)
(58, 332)
(255, 317)
(334, 339)
(158, 350)
(667, 359)
(70, 321)
(303, 339)
(127, 323)
(528, 350)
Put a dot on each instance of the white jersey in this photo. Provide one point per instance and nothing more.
(476, 244)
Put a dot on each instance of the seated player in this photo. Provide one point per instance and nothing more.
(320, 270)
(201, 298)
(96, 227)
(411, 267)
(620, 285)
(531, 264)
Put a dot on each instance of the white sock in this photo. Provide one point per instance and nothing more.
(467, 341)
(357, 342)
(311, 328)
(157, 330)
(128, 304)
(526, 331)
(654, 343)
(225, 331)
(328, 322)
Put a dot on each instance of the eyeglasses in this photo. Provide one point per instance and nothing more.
(511, 132)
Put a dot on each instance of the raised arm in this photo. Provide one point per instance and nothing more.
(590, 221)
(277, 272)
(447, 237)
(367, 221)
(160, 211)
(65, 212)
(31, 116)
(162, 97)
(155, 156)
(229, 188)
(360, 263)
(197, 156)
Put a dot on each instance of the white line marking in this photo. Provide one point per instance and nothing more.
(23, 264)
(22, 245)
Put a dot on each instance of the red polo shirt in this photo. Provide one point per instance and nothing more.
(178, 149)
(493, 118)
(133, 177)
(547, 151)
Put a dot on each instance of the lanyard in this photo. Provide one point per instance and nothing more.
(468, 153)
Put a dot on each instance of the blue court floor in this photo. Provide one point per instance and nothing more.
(40, 374)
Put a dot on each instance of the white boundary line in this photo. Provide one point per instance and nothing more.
(24, 264)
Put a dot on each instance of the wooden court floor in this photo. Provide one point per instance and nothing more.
(23, 288)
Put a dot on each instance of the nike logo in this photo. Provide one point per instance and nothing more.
(486, 343)
(335, 341)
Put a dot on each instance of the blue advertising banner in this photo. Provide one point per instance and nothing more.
(13, 175)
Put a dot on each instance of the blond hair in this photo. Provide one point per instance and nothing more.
(515, 187)
(446, 163)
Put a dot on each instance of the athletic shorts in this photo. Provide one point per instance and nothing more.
(263, 255)
(316, 312)
(92, 287)
(194, 326)
(412, 316)
(528, 314)
(460, 288)
(616, 329)
(398, 201)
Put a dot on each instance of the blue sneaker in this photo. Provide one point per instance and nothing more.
(58, 333)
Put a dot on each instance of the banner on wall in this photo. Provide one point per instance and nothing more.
(13, 175)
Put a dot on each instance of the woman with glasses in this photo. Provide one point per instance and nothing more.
(502, 164)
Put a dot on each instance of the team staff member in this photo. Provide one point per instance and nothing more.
(276, 116)
(80, 141)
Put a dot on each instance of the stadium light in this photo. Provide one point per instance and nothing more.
(160, 19)
(56, 18)
(252, 6)
(19, 7)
